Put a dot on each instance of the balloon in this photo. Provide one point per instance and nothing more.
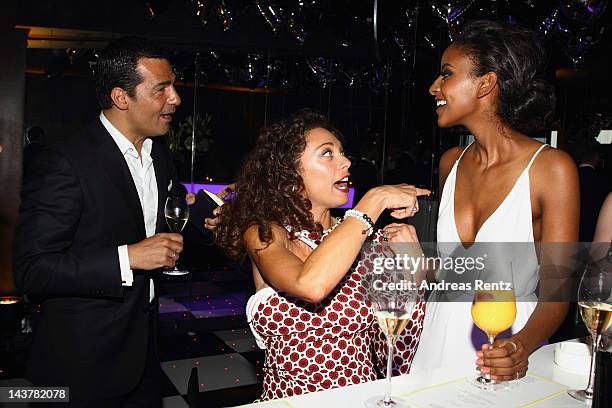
(303, 3)
(427, 39)
(254, 71)
(354, 73)
(201, 10)
(485, 10)
(404, 43)
(322, 69)
(296, 27)
(449, 10)
(271, 13)
(221, 64)
(578, 44)
(583, 12)
(404, 36)
(454, 28)
(529, 12)
(575, 48)
(155, 7)
(351, 75)
(549, 24)
(377, 81)
(224, 15)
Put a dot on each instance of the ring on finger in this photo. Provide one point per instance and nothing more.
(514, 344)
(517, 375)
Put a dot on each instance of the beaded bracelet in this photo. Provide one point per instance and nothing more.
(363, 217)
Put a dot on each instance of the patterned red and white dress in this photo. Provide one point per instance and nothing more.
(314, 347)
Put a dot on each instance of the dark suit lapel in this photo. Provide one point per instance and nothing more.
(162, 177)
(112, 162)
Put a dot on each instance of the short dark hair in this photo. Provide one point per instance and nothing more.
(116, 66)
(516, 54)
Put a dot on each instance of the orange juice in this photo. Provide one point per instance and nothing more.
(494, 311)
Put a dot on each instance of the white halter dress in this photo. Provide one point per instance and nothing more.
(449, 337)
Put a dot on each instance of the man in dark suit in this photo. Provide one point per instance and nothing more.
(90, 234)
(594, 187)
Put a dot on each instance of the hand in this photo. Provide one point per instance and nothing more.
(507, 360)
(402, 199)
(227, 190)
(211, 223)
(397, 232)
(403, 240)
(159, 251)
(190, 198)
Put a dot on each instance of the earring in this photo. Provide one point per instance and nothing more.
(293, 189)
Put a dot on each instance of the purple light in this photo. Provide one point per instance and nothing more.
(215, 188)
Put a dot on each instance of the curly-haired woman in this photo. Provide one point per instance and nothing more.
(308, 312)
(504, 187)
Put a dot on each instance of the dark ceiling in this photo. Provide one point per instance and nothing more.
(409, 32)
(287, 44)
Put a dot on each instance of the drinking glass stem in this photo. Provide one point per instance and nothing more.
(487, 376)
(589, 389)
(387, 400)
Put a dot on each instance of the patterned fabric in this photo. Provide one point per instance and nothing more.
(314, 347)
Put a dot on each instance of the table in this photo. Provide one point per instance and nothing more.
(540, 364)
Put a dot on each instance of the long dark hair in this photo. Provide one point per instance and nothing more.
(269, 184)
(516, 54)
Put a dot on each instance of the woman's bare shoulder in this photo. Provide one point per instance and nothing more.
(553, 163)
(254, 242)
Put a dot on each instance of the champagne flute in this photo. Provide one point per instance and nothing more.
(493, 311)
(595, 301)
(176, 212)
(393, 310)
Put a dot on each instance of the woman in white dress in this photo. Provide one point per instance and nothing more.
(504, 187)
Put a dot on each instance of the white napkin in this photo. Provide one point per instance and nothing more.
(573, 356)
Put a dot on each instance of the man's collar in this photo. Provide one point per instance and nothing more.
(124, 144)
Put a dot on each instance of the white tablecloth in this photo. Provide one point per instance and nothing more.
(540, 364)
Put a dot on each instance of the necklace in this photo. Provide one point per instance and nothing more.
(311, 238)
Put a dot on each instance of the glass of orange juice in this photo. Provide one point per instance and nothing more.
(493, 311)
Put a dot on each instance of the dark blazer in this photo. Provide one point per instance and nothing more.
(593, 191)
(79, 203)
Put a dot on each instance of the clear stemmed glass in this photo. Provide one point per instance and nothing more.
(595, 301)
(393, 310)
(493, 311)
(176, 212)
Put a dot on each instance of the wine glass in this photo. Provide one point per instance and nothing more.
(176, 212)
(393, 310)
(595, 301)
(493, 311)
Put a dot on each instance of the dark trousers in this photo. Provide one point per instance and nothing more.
(146, 394)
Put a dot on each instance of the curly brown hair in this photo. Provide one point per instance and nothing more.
(267, 190)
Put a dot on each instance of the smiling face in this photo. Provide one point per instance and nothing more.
(455, 89)
(150, 110)
(324, 170)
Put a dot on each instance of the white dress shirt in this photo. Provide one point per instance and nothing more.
(143, 173)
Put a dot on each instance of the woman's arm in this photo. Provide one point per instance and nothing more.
(314, 278)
